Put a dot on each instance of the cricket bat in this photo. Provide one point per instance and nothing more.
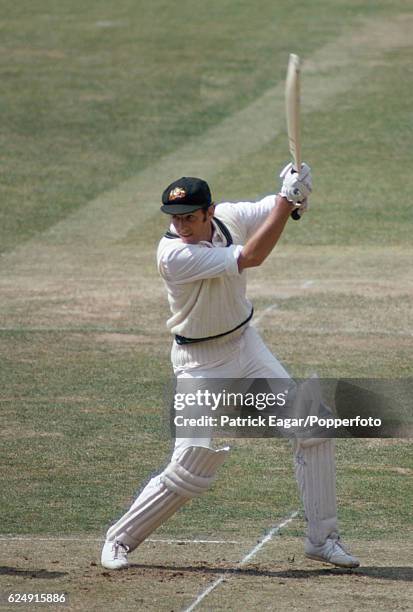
(292, 109)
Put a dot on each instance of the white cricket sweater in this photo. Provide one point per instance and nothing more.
(206, 292)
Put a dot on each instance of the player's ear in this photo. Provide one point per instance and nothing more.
(211, 210)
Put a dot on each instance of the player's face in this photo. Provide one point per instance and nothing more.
(195, 226)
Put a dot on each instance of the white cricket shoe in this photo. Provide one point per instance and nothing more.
(114, 555)
(332, 551)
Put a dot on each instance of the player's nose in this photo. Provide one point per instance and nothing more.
(180, 224)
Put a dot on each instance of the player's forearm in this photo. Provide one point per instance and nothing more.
(262, 242)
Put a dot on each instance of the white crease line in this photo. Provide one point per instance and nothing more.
(245, 560)
(269, 537)
(198, 541)
(81, 539)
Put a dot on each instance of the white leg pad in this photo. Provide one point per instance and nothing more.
(189, 475)
(194, 471)
(316, 478)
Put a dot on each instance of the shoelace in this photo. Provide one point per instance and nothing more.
(340, 544)
(120, 551)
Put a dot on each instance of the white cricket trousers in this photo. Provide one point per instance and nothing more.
(240, 355)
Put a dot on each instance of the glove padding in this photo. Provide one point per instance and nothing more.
(296, 186)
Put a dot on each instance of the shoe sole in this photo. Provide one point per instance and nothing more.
(323, 560)
(117, 567)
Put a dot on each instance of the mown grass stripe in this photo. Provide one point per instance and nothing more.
(331, 71)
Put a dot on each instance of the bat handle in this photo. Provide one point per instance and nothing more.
(296, 212)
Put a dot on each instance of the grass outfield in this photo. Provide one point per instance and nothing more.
(103, 103)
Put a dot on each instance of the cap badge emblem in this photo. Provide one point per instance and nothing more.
(177, 193)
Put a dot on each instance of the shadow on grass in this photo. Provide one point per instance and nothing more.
(383, 573)
(29, 573)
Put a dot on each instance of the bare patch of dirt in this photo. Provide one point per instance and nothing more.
(170, 576)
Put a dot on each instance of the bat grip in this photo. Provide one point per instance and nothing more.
(296, 212)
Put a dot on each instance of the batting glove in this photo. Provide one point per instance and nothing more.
(303, 206)
(296, 186)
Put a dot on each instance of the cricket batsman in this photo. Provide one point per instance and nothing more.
(203, 259)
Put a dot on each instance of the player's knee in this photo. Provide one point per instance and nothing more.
(194, 470)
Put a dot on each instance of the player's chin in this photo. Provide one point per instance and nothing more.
(188, 239)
